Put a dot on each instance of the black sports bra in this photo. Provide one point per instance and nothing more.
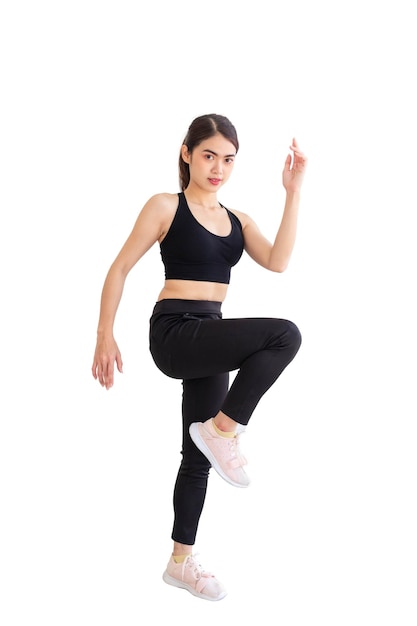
(191, 252)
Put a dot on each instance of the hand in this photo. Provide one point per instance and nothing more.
(106, 354)
(294, 168)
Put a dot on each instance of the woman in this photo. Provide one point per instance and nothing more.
(200, 240)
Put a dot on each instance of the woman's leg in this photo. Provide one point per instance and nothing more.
(189, 340)
(259, 348)
(202, 399)
(279, 341)
(201, 396)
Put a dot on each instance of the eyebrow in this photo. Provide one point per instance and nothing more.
(215, 153)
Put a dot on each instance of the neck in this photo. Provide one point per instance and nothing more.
(202, 198)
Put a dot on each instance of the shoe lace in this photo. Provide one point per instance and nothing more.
(192, 563)
(234, 450)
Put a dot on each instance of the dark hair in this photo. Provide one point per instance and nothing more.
(202, 128)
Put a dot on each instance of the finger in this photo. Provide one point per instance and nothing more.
(97, 371)
(103, 372)
(119, 363)
(299, 156)
(295, 148)
(109, 375)
(101, 376)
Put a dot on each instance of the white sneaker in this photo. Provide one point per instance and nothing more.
(191, 576)
(222, 452)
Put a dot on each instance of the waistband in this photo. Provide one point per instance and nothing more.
(186, 306)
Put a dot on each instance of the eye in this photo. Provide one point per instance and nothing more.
(209, 156)
(230, 160)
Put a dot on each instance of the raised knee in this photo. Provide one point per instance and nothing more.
(287, 336)
(294, 334)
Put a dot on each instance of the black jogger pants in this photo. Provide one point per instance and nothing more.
(190, 340)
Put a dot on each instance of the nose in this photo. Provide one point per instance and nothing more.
(217, 166)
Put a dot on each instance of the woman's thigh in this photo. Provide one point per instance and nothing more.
(199, 348)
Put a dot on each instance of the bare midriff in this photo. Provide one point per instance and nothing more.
(193, 290)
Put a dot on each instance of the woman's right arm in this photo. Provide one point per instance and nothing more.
(150, 225)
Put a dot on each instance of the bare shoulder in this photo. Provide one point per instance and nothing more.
(162, 203)
(158, 213)
(244, 218)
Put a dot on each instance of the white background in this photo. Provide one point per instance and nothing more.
(96, 99)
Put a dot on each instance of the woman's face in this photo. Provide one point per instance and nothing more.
(211, 162)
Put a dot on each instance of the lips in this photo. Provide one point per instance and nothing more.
(215, 181)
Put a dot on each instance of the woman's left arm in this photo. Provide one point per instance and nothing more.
(276, 256)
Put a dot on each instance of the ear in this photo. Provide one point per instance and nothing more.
(185, 154)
